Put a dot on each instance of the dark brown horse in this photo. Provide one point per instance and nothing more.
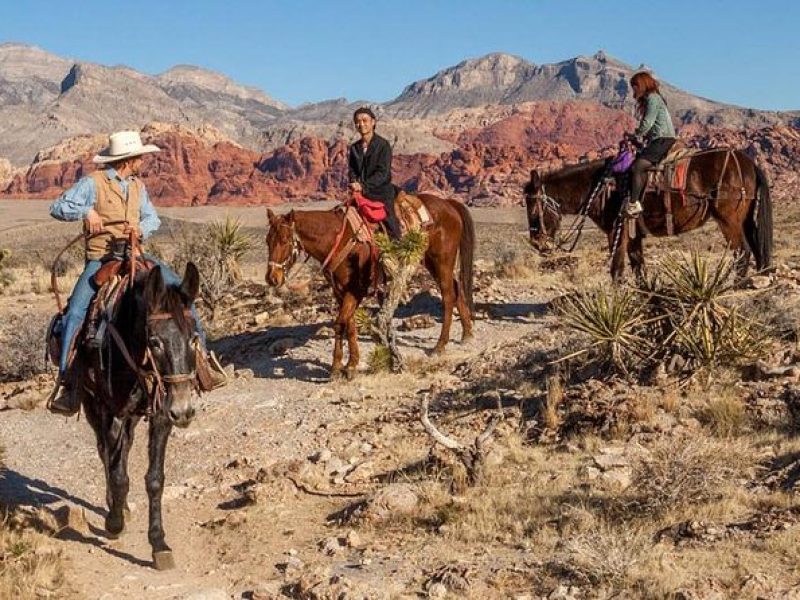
(721, 184)
(451, 236)
(146, 367)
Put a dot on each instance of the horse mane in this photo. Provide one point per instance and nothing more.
(173, 301)
(571, 170)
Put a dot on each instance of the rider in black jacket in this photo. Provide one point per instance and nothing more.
(370, 167)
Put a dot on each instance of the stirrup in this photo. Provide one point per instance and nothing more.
(66, 403)
(210, 374)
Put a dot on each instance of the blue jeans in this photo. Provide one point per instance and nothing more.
(81, 298)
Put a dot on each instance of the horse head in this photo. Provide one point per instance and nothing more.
(544, 215)
(282, 247)
(169, 340)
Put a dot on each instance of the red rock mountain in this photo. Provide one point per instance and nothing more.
(473, 130)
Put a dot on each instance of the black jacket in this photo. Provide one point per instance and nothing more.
(373, 168)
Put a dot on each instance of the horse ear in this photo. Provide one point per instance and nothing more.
(290, 216)
(270, 216)
(154, 287)
(536, 179)
(190, 286)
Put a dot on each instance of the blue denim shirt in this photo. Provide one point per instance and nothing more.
(77, 201)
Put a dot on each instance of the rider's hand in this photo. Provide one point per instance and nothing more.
(129, 228)
(93, 222)
(355, 186)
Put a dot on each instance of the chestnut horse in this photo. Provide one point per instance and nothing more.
(450, 236)
(721, 184)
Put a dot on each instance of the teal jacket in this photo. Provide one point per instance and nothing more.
(656, 122)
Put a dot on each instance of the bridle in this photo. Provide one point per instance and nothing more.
(544, 202)
(150, 378)
(297, 247)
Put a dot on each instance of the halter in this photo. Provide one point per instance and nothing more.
(157, 391)
(297, 246)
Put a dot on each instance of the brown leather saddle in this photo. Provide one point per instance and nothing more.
(669, 177)
(411, 212)
(111, 280)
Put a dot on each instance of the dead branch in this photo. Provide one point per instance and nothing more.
(473, 456)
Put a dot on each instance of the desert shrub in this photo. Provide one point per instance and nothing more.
(217, 250)
(605, 555)
(694, 470)
(687, 309)
(22, 346)
(6, 277)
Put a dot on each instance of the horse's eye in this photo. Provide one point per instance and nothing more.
(156, 345)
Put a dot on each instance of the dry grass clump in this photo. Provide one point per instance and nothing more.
(28, 568)
(603, 556)
(725, 415)
(512, 265)
(691, 471)
(22, 346)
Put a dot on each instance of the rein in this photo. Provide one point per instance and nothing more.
(155, 396)
(86, 237)
(546, 202)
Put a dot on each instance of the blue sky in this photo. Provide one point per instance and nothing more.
(745, 52)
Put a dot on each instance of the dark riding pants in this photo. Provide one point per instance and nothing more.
(651, 155)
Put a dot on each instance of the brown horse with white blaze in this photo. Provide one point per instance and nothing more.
(451, 236)
(721, 184)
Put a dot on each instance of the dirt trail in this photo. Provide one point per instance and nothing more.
(279, 410)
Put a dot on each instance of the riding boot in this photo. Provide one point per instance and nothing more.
(210, 374)
(64, 399)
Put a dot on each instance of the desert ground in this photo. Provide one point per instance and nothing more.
(289, 485)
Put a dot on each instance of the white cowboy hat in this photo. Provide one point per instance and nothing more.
(124, 144)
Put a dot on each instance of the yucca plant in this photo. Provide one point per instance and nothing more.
(230, 244)
(705, 328)
(615, 320)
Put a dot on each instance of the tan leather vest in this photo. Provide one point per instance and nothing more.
(112, 205)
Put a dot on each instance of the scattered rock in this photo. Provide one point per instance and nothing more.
(71, 518)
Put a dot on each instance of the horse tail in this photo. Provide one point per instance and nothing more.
(758, 225)
(466, 253)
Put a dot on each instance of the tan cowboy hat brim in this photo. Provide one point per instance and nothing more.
(105, 155)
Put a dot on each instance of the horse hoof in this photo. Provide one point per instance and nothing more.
(115, 529)
(467, 337)
(436, 351)
(337, 375)
(350, 374)
(163, 560)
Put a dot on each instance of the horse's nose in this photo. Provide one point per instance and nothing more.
(181, 417)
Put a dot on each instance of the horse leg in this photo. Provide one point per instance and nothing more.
(618, 245)
(352, 345)
(444, 277)
(636, 258)
(117, 445)
(160, 428)
(347, 314)
(464, 314)
(338, 334)
(733, 232)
